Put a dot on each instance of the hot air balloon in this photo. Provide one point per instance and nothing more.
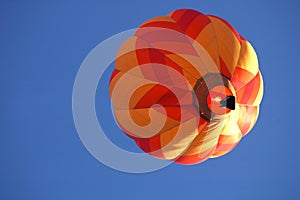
(186, 87)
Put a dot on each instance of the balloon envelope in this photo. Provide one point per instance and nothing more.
(186, 87)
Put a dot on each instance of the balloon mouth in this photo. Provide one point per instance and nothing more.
(215, 96)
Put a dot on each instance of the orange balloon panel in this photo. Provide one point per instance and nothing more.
(186, 87)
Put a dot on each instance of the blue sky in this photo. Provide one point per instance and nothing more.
(42, 45)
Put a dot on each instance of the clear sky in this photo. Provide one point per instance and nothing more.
(43, 44)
